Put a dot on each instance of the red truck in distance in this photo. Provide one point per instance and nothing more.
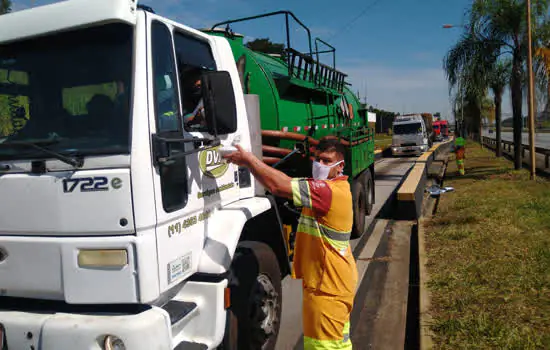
(441, 130)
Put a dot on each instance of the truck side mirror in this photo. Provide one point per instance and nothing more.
(219, 102)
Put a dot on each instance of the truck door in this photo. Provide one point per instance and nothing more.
(188, 188)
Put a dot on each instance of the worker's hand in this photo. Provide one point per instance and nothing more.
(239, 157)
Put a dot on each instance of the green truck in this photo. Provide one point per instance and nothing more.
(302, 101)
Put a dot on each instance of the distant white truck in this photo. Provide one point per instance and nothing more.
(410, 135)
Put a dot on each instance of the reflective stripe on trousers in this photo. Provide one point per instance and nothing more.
(460, 166)
(326, 321)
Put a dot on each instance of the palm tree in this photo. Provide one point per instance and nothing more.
(499, 78)
(497, 29)
(542, 64)
(467, 65)
(5, 6)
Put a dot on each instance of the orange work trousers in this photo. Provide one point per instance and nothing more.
(326, 320)
(459, 153)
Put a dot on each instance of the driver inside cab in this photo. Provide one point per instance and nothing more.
(196, 118)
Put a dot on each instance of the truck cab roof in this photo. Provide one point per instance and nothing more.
(407, 119)
(65, 15)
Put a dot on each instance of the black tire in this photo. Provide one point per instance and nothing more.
(255, 282)
(229, 341)
(369, 189)
(362, 195)
(359, 197)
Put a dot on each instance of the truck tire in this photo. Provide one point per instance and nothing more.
(370, 191)
(362, 202)
(256, 299)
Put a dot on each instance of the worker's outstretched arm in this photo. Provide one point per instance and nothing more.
(276, 182)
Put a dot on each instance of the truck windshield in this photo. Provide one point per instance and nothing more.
(73, 87)
(411, 128)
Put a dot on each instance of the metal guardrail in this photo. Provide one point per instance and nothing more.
(488, 141)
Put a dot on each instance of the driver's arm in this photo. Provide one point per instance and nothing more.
(190, 117)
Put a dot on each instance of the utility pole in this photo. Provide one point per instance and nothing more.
(531, 93)
(365, 88)
(461, 134)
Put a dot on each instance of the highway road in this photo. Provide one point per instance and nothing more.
(388, 174)
(541, 139)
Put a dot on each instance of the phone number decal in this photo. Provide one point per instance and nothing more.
(178, 227)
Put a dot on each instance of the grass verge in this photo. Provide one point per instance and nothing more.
(382, 141)
(489, 257)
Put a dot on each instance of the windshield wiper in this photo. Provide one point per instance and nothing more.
(78, 163)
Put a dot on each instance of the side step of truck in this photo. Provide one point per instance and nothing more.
(181, 312)
(184, 345)
(178, 310)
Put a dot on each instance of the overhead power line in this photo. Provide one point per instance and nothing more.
(361, 14)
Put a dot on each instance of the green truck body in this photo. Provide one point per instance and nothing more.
(302, 101)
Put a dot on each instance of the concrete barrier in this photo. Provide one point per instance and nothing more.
(410, 194)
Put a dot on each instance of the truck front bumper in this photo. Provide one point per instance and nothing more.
(149, 329)
(408, 150)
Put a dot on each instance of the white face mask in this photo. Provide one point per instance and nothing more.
(320, 171)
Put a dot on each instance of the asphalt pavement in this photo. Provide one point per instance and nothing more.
(541, 139)
(388, 174)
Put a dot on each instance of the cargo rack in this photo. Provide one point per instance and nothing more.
(302, 65)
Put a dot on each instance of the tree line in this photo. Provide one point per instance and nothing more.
(490, 56)
(5, 6)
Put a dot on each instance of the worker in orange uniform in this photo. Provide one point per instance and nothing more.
(322, 257)
(459, 150)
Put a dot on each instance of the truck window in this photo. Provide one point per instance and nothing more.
(412, 128)
(194, 57)
(76, 99)
(14, 107)
(164, 71)
(63, 85)
(173, 176)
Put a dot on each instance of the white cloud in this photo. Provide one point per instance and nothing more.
(404, 89)
(321, 32)
(424, 56)
(400, 89)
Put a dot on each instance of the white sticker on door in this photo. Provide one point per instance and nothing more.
(179, 267)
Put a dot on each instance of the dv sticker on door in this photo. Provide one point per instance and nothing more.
(179, 268)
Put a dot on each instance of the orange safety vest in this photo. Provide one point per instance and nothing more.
(322, 256)
(459, 152)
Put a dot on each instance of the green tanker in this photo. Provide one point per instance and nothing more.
(301, 101)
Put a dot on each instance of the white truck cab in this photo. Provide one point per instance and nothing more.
(121, 227)
(409, 136)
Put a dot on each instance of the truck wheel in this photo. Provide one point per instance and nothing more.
(256, 298)
(370, 191)
(362, 203)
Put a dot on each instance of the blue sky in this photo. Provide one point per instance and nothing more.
(393, 51)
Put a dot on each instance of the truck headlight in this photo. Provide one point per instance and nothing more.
(93, 258)
(113, 343)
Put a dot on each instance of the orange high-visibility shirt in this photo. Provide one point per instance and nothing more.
(322, 255)
(460, 151)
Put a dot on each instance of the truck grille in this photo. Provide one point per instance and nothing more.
(408, 144)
